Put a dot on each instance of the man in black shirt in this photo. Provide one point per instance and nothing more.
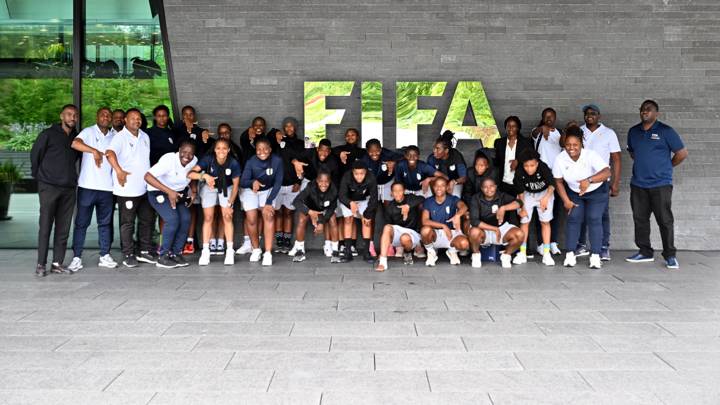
(54, 167)
(346, 154)
(358, 199)
(402, 221)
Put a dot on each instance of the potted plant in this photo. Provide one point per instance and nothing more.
(9, 175)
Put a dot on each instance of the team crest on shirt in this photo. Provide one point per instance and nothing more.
(326, 203)
(269, 171)
(228, 171)
(452, 168)
(654, 137)
(494, 208)
(419, 177)
(383, 167)
(447, 210)
(282, 144)
(193, 136)
(170, 140)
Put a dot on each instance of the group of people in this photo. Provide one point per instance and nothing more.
(281, 187)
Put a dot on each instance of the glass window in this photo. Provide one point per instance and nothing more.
(124, 62)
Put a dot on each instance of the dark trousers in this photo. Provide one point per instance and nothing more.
(56, 208)
(656, 201)
(87, 201)
(132, 208)
(590, 209)
(177, 222)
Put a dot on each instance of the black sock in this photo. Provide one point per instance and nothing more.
(348, 243)
(367, 246)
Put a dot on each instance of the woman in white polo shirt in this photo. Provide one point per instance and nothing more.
(169, 195)
(586, 195)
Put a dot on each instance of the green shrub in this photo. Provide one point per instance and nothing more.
(9, 172)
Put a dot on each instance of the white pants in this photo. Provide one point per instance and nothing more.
(398, 231)
(491, 238)
(346, 212)
(442, 241)
(253, 201)
(211, 197)
(532, 201)
(285, 198)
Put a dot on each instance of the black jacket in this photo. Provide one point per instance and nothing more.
(311, 198)
(356, 152)
(162, 141)
(481, 210)
(289, 148)
(194, 136)
(352, 191)
(52, 158)
(393, 214)
(474, 181)
(538, 182)
(329, 165)
(500, 147)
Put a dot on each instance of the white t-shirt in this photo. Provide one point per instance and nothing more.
(548, 148)
(509, 174)
(93, 177)
(133, 155)
(603, 141)
(170, 172)
(573, 171)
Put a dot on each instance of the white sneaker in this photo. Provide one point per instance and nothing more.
(255, 256)
(520, 258)
(570, 260)
(548, 260)
(420, 252)
(399, 251)
(539, 249)
(107, 261)
(476, 260)
(292, 251)
(595, 262)
(432, 257)
(204, 257)
(555, 249)
(505, 261)
(267, 259)
(327, 249)
(75, 265)
(245, 248)
(229, 258)
(453, 256)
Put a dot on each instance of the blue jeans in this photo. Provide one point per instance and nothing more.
(177, 222)
(102, 203)
(606, 230)
(590, 209)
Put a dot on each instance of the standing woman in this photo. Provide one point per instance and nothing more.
(507, 149)
(291, 149)
(162, 137)
(168, 194)
(219, 175)
(586, 195)
(450, 162)
(261, 182)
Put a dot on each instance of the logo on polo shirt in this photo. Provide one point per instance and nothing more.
(326, 203)
(419, 177)
(269, 171)
(452, 168)
(654, 137)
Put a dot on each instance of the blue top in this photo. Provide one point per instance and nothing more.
(412, 178)
(232, 169)
(651, 150)
(268, 172)
(379, 168)
(454, 166)
(442, 212)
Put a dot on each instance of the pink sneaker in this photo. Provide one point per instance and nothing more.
(372, 249)
(391, 251)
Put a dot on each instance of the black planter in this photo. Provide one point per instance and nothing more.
(6, 190)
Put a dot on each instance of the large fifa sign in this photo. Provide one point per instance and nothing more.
(468, 96)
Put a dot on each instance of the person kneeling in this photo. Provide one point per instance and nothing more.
(492, 214)
(358, 197)
(168, 194)
(441, 217)
(317, 202)
(402, 219)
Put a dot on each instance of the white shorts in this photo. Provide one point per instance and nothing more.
(211, 197)
(385, 191)
(531, 201)
(346, 212)
(420, 192)
(285, 198)
(441, 240)
(253, 201)
(491, 237)
(398, 231)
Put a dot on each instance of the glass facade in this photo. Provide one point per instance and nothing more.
(121, 64)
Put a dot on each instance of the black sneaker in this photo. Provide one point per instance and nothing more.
(353, 251)
(40, 270)
(299, 256)
(58, 268)
(346, 256)
(130, 261)
(180, 260)
(166, 262)
(288, 244)
(335, 258)
(368, 257)
(147, 257)
(407, 258)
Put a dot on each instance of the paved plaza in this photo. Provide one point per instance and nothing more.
(315, 333)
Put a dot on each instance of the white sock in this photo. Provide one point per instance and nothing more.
(246, 239)
(230, 247)
(300, 245)
(191, 240)
(221, 242)
(334, 246)
(383, 261)
(429, 247)
(206, 246)
(452, 249)
(213, 242)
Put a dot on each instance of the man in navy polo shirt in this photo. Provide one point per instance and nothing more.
(655, 149)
